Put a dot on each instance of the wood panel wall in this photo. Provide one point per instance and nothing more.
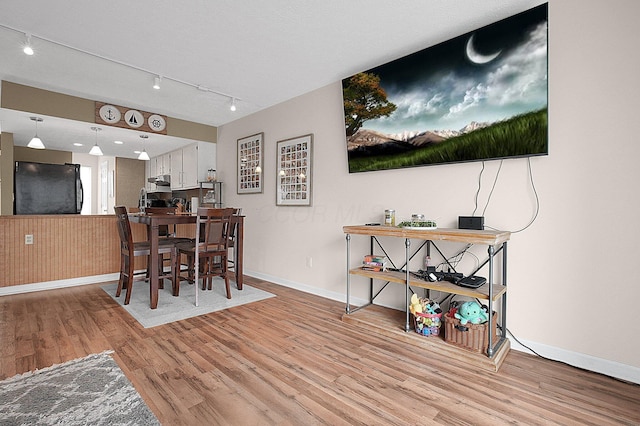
(64, 247)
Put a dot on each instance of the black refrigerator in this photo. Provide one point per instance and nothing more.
(41, 188)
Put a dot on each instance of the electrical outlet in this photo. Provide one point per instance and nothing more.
(28, 239)
(309, 262)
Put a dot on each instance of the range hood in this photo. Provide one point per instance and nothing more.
(162, 180)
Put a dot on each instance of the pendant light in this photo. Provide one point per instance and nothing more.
(95, 150)
(36, 143)
(143, 155)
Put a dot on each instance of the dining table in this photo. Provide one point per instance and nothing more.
(155, 221)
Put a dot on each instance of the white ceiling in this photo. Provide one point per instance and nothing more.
(260, 52)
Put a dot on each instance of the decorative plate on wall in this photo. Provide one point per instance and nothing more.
(110, 114)
(157, 123)
(133, 118)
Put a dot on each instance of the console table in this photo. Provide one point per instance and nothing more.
(496, 241)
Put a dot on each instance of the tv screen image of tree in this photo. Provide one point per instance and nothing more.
(482, 95)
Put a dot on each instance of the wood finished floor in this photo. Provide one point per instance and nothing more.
(290, 360)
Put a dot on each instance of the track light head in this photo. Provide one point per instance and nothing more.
(156, 82)
(27, 49)
(233, 104)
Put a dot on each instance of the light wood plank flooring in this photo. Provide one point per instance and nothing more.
(290, 360)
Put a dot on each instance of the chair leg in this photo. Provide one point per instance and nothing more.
(121, 280)
(201, 274)
(161, 270)
(175, 272)
(190, 270)
(212, 265)
(225, 273)
(129, 267)
(226, 283)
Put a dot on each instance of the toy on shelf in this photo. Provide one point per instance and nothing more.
(427, 315)
(471, 312)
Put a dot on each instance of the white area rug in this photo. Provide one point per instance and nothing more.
(172, 308)
(87, 391)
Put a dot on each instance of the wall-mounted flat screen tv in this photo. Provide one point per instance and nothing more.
(482, 95)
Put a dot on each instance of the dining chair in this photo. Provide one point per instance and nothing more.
(208, 254)
(164, 232)
(231, 264)
(130, 249)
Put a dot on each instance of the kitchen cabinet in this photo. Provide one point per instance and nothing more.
(189, 165)
(163, 164)
(160, 165)
(176, 169)
(150, 171)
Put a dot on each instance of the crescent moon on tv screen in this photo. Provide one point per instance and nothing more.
(476, 57)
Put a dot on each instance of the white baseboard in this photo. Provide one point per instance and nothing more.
(340, 297)
(50, 285)
(609, 368)
(587, 362)
(603, 366)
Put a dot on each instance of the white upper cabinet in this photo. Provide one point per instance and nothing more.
(176, 170)
(189, 165)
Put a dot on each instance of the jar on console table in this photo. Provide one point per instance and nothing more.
(390, 217)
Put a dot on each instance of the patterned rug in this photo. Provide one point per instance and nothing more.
(86, 391)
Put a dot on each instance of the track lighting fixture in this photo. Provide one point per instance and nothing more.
(27, 49)
(143, 155)
(95, 150)
(35, 142)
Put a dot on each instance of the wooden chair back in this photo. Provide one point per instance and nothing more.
(213, 227)
(124, 230)
(234, 226)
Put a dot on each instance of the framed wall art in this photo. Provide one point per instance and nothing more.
(250, 160)
(294, 158)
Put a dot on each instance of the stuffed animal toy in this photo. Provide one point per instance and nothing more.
(415, 305)
(471, 312)
(428, 324)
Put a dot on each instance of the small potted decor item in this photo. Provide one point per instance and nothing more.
(418, 222)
